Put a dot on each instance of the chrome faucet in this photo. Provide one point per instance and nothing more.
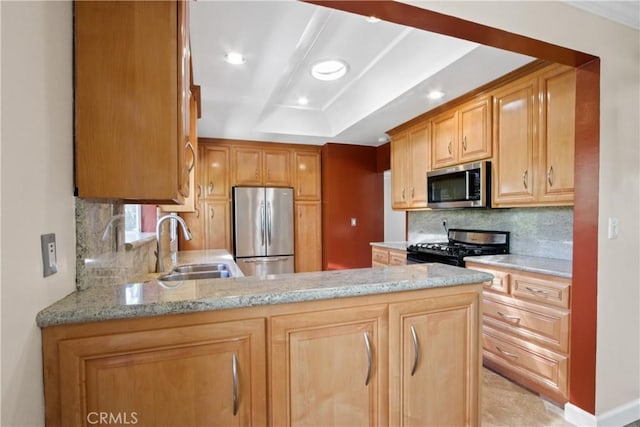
(159, 254)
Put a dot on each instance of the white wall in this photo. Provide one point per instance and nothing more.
(618, 46)
(395, 222)
(37, 190)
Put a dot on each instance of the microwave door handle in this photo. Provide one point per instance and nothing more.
(466, 189)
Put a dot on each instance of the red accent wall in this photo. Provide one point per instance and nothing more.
(384, 157)
(585, 226)
(352, 187)
(149, 218)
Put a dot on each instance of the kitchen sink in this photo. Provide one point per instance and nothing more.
(193, 268)
(197, 272)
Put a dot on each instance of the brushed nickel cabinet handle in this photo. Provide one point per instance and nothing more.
(257, 174)
(403, 194)
(212, 213)
(506, 353)
(509, 317)
(464, 143)
(210, 188)
(413, 192)
(537, 291)
(449, 147)
(550, 176)
(525, 178)
(367, 345)
(193, 156)
(234, 372)
(416, 350)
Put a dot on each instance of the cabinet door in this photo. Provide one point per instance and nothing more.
(177, 376)
(419, 165)
(308, 236)
(218, 225)
(246, 166)
(186, 150)
(514, 109)
(475, 130)
(321, 364)
(215, 176)
(196, 222)
(434, 361)
(443, 141)
(277, 168)
(307, 172)
(557, 135)
(399, 155)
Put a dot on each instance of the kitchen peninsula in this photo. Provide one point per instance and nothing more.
(366, 346)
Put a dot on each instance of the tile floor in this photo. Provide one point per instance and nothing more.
(505, 403)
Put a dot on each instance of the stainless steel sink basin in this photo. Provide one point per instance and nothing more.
(195, 275)
(192, 268)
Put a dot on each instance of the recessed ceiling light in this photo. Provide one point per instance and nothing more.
(372, 19)
(331, 69)
(235, 58)
(435, 94)
(303, 100)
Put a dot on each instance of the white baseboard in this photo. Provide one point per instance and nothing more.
(617, 417)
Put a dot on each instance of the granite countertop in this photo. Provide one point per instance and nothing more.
(400, 246)
(550, 266)
(152, 298)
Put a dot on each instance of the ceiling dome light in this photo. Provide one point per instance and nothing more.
(235, 58)
(303, 100)
(435, 94)
(331, 69)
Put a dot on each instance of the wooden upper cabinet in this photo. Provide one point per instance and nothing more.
(534, 139)
(409, 166)
(260, 166)
(328, 368)
(276, 168)
(444, 146)
(132, 101)
(434, 374)
(462, 135)
(514, 108)
(474, 120)
(214, 180)
(307, 182)
(557, 136)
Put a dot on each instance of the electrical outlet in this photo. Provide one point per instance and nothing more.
(49, 256)
(354, 222)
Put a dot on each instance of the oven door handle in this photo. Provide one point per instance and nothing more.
(466, 187)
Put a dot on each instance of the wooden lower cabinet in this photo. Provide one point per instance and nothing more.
(329, 368)
(384, 257)
(434, 362)
(166, 376)
(526, 329)
(338, 362)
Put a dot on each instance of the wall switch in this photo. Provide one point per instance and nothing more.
(49, 257)
(354, 222)
(613, 228)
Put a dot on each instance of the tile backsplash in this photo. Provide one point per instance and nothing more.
(544, 232)
(102, 257)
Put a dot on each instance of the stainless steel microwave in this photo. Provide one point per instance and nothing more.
(462, 186)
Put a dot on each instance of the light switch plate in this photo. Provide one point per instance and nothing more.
(49, 256)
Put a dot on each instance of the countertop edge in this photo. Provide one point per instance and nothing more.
(522, 265)
(51, 316)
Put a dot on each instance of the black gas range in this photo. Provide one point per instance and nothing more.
(462, 243)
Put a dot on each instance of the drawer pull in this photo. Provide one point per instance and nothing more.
(367, 346)
(416, 350)
(497, 283)
(509, 317)
(506, 353)
(234, 372)
(537, 291)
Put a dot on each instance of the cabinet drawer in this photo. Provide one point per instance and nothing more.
(541, 289)
(380, 256)
(544, 325)
(535, 367)
(500, 282)
(397, 257)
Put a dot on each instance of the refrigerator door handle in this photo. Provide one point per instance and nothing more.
(262, 223)
(263, 260)
(268, 223)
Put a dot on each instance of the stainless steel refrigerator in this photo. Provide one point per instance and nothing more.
(263, 230)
